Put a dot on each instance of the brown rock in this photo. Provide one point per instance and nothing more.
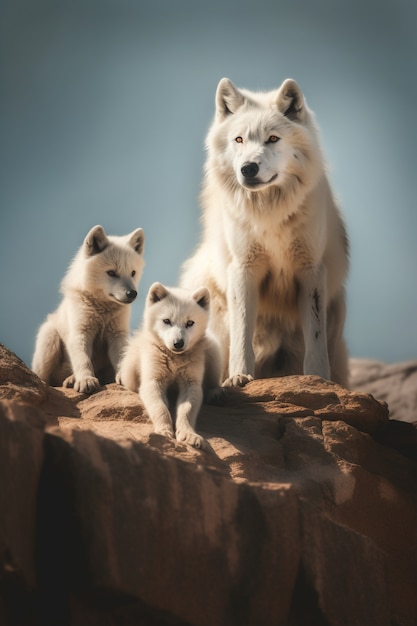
(394, 383)
(21, 459)
(297, 396)
(18, 381)
(298, 513)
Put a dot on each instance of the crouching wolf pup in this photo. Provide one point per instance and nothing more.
(173, 357)
(274, 251)
(79, 345)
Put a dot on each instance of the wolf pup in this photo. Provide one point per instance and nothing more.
(274, 250)
(80, 344)
(172, 356)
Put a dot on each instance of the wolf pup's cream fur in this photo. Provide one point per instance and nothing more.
(172, 358)
(274, 251)
(79, 345)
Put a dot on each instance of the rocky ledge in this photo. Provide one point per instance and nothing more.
(302, 511)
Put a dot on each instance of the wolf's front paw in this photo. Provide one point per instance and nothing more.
(191, 438)
(89, 384)
(239, 380)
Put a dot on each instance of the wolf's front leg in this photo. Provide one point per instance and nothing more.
(190, 398)
(313, 313)
(242, 303)
(155, 402)
(80, 350)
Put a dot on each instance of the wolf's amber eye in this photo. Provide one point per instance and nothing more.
(133, 273)
(189, 324)
(112, 273)
(272, 139)
(167, 322)
(239, 140)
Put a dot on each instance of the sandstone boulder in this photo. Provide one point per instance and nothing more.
(301, 511)
(394, 383)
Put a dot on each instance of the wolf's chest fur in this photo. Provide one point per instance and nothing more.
(275, 255)
(173, 367)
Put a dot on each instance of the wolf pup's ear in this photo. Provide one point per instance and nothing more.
(96, 241)
(157, 292)
(228, 98)
(290, 100)
(202, 297)
(137, 240)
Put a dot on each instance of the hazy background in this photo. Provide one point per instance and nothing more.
(105, 106)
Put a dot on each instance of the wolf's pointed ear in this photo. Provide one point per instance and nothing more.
(157, 292)
(202, 297)
(137, 240)
(290, 100)
(96, 241)
(228, 98)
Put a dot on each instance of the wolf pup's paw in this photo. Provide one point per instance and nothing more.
(239, 380)
(191, 438)
(89, 384)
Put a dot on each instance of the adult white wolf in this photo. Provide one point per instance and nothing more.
(274, 251)
(79, 345)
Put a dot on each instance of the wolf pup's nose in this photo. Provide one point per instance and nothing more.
(178, 345)
(131, 295)
(249, 170)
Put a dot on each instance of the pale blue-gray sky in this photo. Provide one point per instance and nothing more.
(105, 106)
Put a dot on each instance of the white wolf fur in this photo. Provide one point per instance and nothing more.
(79, 345)
(172, 352)
(274, 251)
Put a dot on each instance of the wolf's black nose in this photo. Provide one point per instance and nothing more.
(178, 345)
(131, 295)
(249, 170)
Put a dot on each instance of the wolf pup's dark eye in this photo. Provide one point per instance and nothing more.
(133, 273)
(272, 139)
(239, 140)
(167, 322)
(112, 273)
(189, 324)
